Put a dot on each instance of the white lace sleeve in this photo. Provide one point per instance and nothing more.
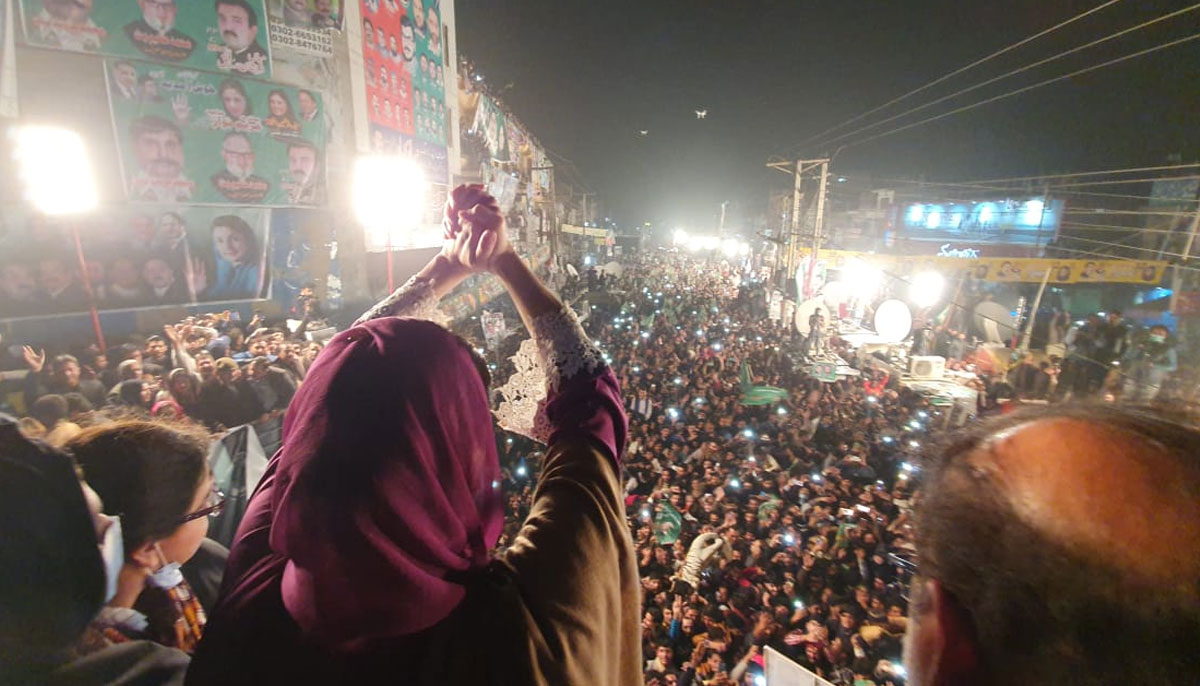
(414, 299)
(557, 352)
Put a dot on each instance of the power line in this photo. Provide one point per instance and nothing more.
(1111, 227)
(1125, 181)
(1102, 172)
(1014, 72)
(961, 70)
(1137, 213)
(1122, 258)
(1026, 89)
(1128, 247)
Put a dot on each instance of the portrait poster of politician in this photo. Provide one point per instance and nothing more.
(225, 35)
(196, 137)
(136, 256)
(403, 66)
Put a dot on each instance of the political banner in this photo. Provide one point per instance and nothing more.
(490, 124)
(430, 156)
(225, 36)
(197, 137)
(1121, 271)
(306, 14)
(309, 41)
(136, 256)
(402, 63)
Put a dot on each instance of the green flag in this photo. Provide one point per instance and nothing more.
(667, 524)
(757, 395)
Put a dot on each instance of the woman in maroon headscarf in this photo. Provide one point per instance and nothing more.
(364, 553)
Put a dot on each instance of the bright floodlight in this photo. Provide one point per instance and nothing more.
(862, 279)
(389, 194)
(893, 321)
(681, 237)
(926, 288)
(54, 165)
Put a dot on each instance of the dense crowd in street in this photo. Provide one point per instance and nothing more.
(796, 492)
(809, 494)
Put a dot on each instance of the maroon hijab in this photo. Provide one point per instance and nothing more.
(385, 486)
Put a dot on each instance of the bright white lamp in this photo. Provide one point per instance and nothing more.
(926, 288)
(55, 168)
(389, 195)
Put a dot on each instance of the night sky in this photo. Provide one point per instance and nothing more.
(586, 76)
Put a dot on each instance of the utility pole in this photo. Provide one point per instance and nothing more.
(789, 266)
(819, 227)
(721, 224)
(789, 249)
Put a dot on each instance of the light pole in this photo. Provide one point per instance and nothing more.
(58, 179)
(389, 194)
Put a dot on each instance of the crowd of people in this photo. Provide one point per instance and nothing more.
(809, 495)
(767, 509)
(205, 370)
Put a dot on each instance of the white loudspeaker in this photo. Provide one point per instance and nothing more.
(927, 366)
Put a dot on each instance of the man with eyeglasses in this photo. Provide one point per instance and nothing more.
(237, 181)
(1060, 546)
(155, 33)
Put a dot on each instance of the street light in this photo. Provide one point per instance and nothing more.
(389, 194)
(54, 167)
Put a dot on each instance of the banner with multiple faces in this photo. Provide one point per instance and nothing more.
(197, 137)
(224, 36)
(135, 256)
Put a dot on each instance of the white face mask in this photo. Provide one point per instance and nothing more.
(112, 551)
(168, 575)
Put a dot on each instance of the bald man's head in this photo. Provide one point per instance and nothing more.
(1067, 540)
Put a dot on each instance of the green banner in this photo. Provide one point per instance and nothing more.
(228, 35)
(757, 395)
(667, 524)
(206, 138)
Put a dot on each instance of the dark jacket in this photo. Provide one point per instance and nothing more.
(228, 406)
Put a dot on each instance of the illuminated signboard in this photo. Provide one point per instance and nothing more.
(1019, 221)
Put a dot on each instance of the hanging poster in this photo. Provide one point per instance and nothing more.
(403, 66)
(306, 14)
(136, 256)
(188, 136)
(489, 123)
(225, 36)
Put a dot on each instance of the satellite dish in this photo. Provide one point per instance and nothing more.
(993, 322)
(805, 310)
(893, 320)
(614, 269)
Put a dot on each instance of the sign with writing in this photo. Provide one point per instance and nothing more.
(309, 41)
(196, 137)
(225, 36)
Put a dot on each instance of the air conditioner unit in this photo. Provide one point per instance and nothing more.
(927, 366)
